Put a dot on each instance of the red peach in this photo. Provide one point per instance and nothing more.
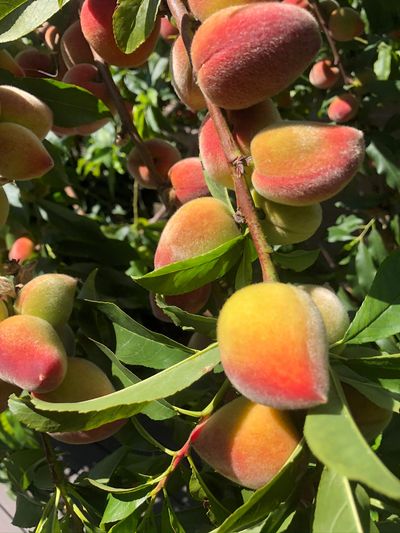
(187, 179)
(343, 108)
(21, 249)
(74, 47)
(324, 74)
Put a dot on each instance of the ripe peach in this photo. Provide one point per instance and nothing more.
(83, 381)
(333, 312)
(287, 224)
(247, 442)
(31, 353)
(6, 389)
(35, 63)
(96, 24)
(277, 358)
(324, 75)
(49, 296)
(343, 108)
(187, 179)
(4, 207)
(243, 54)
(345, 23)
(21, 249)
(23, 108)
(164, 156)
(167, 30)
(74, 47)
(7, 62)
(244, 124)
(22, 155)
(182, 77)
(302, 163)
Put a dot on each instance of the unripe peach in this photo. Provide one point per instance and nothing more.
(6, 389)
(244, 124)
(167, 30)
(324, 75)
(302, 163)
(49, 296)
(23, 108)
(164, 156)
(287, 224)
(74, 47)
(182, 77)
(96, 24)
(35, 63)
(21, 249)
(22, 155)
(247, 442)
(343, 108)
(326, 7)
(202, 9)
(31, 353)
(84, 381)
(187, 179)
(345, 23)
(3, 311)
(4, 207)
(333, 312)
(243, 54)
(7, 62)
(279, 357)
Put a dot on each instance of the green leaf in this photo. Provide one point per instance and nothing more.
(365, 267)
(378, 316)
(169, 520)
(45, 416)
(298, 260)
(219, 192)
(121, 506)
(244, 274)
(133, 21)
(382, 65)
(185, 276)
(335, 440)
(336, 508)
(202, 324)
(26, 18)
(385, 162)
(7, 6)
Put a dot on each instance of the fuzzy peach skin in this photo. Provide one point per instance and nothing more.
(247, 442)
(31, 354)
(279, 357)
(164, 156)
(287, 224)
(84, 381)
(21, 249)
(182, 78)
(197, 227)
(244, 124)
(23, 108)
(167, 30)
(192, 302)
(324, 74)
(333, 312)
(300, 3)
(343, 108)
(73, 46)
(244, 54)
(345, 23)
(4, 207)
(49, 296)
(6, 389)
(96, 24)
(22, 155)
(302, 163)
(187, 179)
(35, 63)
(7, 62)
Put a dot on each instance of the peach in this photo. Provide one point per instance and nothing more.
(244, 54)
(49, 296)
(345, 23)
(52, 37)
(23, 108)
(6, 389)
(198, 341)
(187, 179)
(279, 357)
(4, 207)
(31, 354)
(21, 249)
(83, 381)
(73, 46)
(7, 62)
(343, 108)
(196, 228)
(247, 442)
(333, 312)
(302, 163)
(191, 302)
(202, 9)
(300, 3)
(167, 30)
(96, 24)
(326, 7)
(3, 310)
(287, 224)
(22, 155)
(182, 78)
(35, 63)
(244, 124)
(369, 417)
(164, 156)
(324, 74)
(67, 336)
